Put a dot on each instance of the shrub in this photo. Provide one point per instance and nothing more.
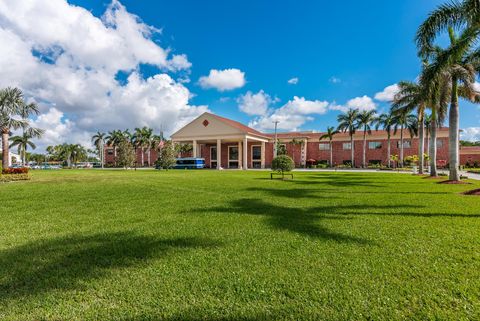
(14, 177)
(15, 171)
(282, 163)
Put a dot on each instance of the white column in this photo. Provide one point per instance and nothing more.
(263, 155)
(194, 145)
(240, 154)
(305, 143)
(245, 153)
(219, 153)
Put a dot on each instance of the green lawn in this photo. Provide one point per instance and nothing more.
(232, 245)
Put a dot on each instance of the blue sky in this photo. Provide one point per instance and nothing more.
(104, 66)
(366, 45)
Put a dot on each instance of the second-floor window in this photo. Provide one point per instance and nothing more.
(406, 144)
(374, 145)
(347, 146)
(324, 146)
(439, 143)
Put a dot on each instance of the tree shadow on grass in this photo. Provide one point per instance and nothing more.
(299, 220)
(65, 263)
(293, 192)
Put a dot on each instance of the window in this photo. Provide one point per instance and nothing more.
(110, 151)
(374, 145)
(324, 146)
(406, 144)
(256, 152)
(439, 143)
(347, 146)
(233, 153)
(213, 153)
(374, 162)
(347, 162)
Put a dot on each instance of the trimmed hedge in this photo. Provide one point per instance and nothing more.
(15, 171)
(4, 178)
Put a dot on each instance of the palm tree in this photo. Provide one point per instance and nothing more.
(22, 142)
(427, 122)
(147, 134)
(387, 122)
(365, 119)
(414, 96)
(99, 141)
(331, 131)
(459, 60)
(296, 142)
(138, 141)
(348, 122)
(404, 120)
(114, 138)
(11, 106)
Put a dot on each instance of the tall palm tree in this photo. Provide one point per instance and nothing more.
(114, 138)
(22, 142)
(460, 60)
(147, 134)
(11, 104)
(99, 141)
(387, 122)
(427, 122)
(364, 120)
(348, 122)
(414, 96)
(407, 121)
(331, 131)
(295, 143)
(138, 141)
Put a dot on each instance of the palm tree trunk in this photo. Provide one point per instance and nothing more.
(149, 156)
(453, 143)
(421, 140)
(115, 154)
(5, 148)
(331, 154)
(24, 156)
(427, 132)
(389, 161)
(143, 154)
(364, 149)
(433, 149)
(352, 151)
(401, 147)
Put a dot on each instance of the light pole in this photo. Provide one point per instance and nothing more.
(276, 143)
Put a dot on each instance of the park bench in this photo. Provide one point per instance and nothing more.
(280, 174)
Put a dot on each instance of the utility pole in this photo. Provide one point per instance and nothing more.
(276, 142)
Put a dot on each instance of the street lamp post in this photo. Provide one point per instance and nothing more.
(276, 142)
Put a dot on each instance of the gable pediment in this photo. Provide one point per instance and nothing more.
(206, 125)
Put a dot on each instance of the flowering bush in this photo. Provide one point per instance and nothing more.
(4, 178)
(20, 170)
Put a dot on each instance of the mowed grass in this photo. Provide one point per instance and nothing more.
(232, 245)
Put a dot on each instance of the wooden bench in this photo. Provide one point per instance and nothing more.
(281, 174)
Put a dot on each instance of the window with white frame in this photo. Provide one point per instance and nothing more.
(374, 145)
(324, 146)
(406, 144)
(347, 146)
(439, 143)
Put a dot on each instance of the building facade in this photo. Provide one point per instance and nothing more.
(225, 143)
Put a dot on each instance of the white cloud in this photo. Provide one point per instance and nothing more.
(335, 80)
(476, 86)
(223, 80)
(293, 81)
(388, 93)
(292, 115)
(470, 134)
(254, 104)
(361, 103)
(68, 58)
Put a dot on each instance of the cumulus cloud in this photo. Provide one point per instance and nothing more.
(470, 134)
(361, 103)
(254, 104)
(292, 115)
(293, 81)
(388, 93)
(69, 59)
(223, 80)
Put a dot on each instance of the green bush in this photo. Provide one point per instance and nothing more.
(282, 163)
(4, 178)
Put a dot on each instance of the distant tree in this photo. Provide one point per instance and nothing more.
(167, 156)
(295, 143)
(99, 141)
(387, 122)
(365, 119)
(22, 143)
(407, 121)
(331, 131)
(282, 164)
(126, 154)
(348, 123)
